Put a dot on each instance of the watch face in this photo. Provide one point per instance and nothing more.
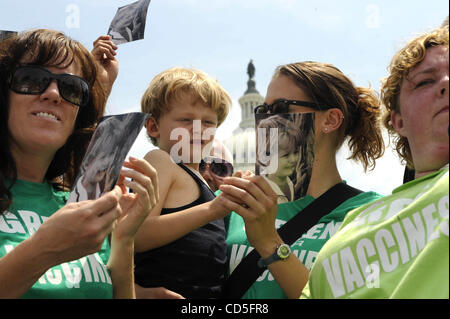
(284, 251)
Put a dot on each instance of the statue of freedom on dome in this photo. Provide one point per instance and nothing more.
(251, 70)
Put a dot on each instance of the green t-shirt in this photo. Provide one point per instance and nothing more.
(32, 204)
(305, 248)
(396, 247)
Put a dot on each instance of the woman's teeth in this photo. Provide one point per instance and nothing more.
(43, 114)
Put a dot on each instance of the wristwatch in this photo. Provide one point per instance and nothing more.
(282, 252)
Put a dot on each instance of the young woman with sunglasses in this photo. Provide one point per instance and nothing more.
(342, 112)
(52, 93)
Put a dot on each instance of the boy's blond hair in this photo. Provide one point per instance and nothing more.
(173, 83)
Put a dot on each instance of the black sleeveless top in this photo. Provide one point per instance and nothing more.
(193, 265)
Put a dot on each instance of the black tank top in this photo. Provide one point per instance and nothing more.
(193, 265)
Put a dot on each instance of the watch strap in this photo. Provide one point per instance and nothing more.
(267, 261)
(264, 262)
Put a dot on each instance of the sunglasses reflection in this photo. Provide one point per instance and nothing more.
(214, 170)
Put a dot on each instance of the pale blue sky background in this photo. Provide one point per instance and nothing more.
(221, 36)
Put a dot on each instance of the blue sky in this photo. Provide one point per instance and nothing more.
(221, 36)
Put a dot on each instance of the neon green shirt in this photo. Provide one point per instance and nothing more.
(305, 248)
(396, 247)
(32, 204)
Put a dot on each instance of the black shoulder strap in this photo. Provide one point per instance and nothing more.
(202, 184)
(248, 271)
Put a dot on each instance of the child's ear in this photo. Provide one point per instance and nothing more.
(152, 127)
(332, 120)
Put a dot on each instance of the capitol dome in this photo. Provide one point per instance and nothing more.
(243, 142)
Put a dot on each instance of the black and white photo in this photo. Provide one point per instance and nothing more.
(285, 152)
(129, 22)
(106, 152)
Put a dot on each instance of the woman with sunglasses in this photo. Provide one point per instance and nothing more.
(216, 167)
(343, 112)
(52, 93)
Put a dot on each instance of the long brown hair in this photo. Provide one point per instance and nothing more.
(327, 85)
(48, 48)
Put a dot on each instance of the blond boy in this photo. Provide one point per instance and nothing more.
(181, 245)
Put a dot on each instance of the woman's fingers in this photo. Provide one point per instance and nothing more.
(103, 50)
(101, 205)
(89, 221)
(245, 198)
(104, 47)
(243, 174)
(108, 220)
(258, 189)
(230, 203)
(108, 217)
(105, 40)
(144, 173)
(120, 183)
(263, 185)
(232, 198)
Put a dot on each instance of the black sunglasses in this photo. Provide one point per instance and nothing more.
(282, 106)
(217, 167)
(34, 79)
